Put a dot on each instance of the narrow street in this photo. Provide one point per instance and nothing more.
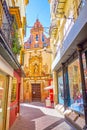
(35, 116)
(43, 60)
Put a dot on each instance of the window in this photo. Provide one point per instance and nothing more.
(44, 44)
(60, 88)
(13, 91)
(36, 45)
(43, 38)
(37, 38)
(75, 86)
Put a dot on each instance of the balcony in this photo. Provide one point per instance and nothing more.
(54, 28)
(5, 22)
(58, 8)
(16, 12)
(6, 30)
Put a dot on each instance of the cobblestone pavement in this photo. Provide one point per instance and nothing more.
(35, 116)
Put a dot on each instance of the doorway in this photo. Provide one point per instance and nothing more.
(36, 92)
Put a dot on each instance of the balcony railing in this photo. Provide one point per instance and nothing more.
(6, 22)
(63, 46)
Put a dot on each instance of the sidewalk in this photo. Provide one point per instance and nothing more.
(35, 116)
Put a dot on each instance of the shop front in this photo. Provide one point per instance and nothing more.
(60, 88)
(6, 72)
(15, 97)
(75, 83)
(75, 86)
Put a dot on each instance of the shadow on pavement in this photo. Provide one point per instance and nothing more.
(35, 116)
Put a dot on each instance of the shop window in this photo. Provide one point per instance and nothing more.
(75, 86)
(84, 58)
(13, 90)
(60, 88)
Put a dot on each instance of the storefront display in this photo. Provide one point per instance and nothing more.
(84, 58)
(60, 88)
(13, 92)
(75, 86)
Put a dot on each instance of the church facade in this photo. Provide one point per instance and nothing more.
(37, 65)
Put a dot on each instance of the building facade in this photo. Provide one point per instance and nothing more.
(68, 40)
(36, 64)
(11, 27)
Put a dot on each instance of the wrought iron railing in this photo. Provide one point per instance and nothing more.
(64, 46)
(6, 23)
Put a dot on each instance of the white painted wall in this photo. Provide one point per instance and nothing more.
(5, 67)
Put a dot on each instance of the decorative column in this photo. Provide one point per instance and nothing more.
(55, 84)
(79, 50)
(21, 91)
(18, 98)
(64, 85)
(67, 91)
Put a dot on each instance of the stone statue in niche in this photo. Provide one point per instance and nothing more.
(36, 68)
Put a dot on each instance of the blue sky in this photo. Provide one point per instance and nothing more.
(37, 9)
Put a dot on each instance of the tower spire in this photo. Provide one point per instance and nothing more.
(37, 19)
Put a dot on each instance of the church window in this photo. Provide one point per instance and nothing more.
(43, 38)
(37, 37)
(44, 44)
(36, 45)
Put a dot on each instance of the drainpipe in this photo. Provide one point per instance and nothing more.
(79, 50)
(67, 89)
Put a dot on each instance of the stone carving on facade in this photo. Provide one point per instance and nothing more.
(35, 65)
(26, 70)
(44, 69)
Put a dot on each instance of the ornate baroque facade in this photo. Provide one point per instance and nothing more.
(36, 64)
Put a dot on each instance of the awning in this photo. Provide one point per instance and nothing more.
(48, 88)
